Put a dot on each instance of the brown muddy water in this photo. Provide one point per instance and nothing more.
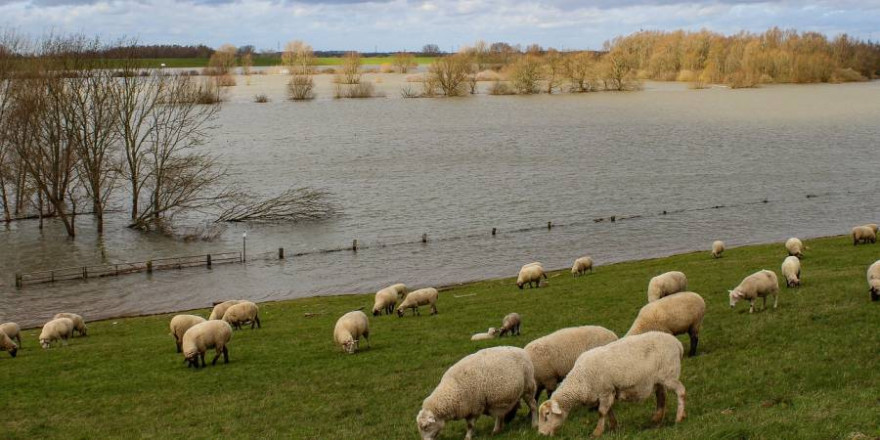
(456, 168)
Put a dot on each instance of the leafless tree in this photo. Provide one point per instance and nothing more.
(525, 74)
(296, 204)
(300, 61)
(580, 70)
(222, 61)
(402, 61)
(351, 68)
(554, 70)
(450, 74)
(10, 44)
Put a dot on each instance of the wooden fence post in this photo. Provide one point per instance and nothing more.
(494, 230)
(281, 253)
(18, 280)
(85, 273)
(354, 245)
(209, 260)
(149, 266)
(425, 237)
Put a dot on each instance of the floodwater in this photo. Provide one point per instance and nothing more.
(456, 168)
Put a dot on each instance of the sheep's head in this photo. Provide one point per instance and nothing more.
(191, 357)
(519, 284)
(44, 343)
(429, 424)
(350, 346)
(492, 331)
(400, 312)
(376, 312)
(84, 331)
(550, 417)
(13, 349)
(735, 297)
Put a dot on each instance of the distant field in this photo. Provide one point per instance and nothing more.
(807, 370)
(272, 61)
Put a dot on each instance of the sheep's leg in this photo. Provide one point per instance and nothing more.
(434, 309)
(612, 419)
(765, 304)
(751, 306)
(259, 324)
(217, 356)
(470, 428)
(695, 339)
(225, 355)
(499, 424)
(367, 338)
(660, 412)
(177, 342)
(775, 300)
(605, 403)
(679, 390)
(533, 410)
(202, 357)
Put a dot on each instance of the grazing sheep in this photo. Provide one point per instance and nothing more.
(203, 336)
(349, 329)
(416, 298)
(59, 328)
(387, 298)
(511, 324)
(629, 369)
(864, 235)
(180, 324)
(242, 313)
(874, 281)
(717, 248)
(531, 273)
(220, 309)
(666, 284)
(533, 263)
(554, 355)
(6, 344)
(489, 334)
(791, 270)
(12, 330)
(79, 325)
(581, 266)
(675, 314)
(491, 381)
(757, 285)
(794, 247)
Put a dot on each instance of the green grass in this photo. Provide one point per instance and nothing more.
(807, 370)
(196, 63)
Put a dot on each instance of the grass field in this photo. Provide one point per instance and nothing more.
(807, 370)
(273, 61)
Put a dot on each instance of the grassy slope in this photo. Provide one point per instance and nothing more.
(273, 61)
(805, 370)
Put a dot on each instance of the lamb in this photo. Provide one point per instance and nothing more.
(180, 324)
(79, 325)
(791, 270)
(59, 328)
(629, 370)
(220, 309)
(530, 273)
(510, 324)
(242, 313)
(387, 298)
(416, 298)
(554, 355)
(864, 235)
(12, 330)
(757, 285)
(874, 281)
(666, 284)
(675, 314)
(717, 248)
(795, 247)
(581, 266)
(203, 336)
(349, 329)
(491, 381)
(490, 334)
(6, 344)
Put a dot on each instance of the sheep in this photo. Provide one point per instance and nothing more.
(791, 270)
(180, 324)
(553, 355)
(675, 314)
(387, 298)
(79, 325)
(533, 263)
(510, 324)
(416, 298)
(794, 247)
(628, 369)
(757, 285)
(874, 281)
(12, 330)
(242, 313)
(717, 248)
(581, 266)
(864, 235)
(6, 344)
(400, 289)
(530, 273)
(489, 334)
(220, 309)
(59, 328)
(666, 284)
(491, 381)
(203, 336)
(349, 329)
(873, 227)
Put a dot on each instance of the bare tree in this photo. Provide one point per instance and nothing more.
(222, 61)
(402, 61)
(525, 74)
(296, 204)
(300, 61)
(351, 69)
(554, 70)
(580, 70)
(450, 74)
(10, 44)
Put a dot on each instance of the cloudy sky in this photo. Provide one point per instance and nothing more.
(391, 25)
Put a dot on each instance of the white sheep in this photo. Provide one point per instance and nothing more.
(489, 334)
(794, 247)
(874, 281)
(530, 273)
(510, 324)
(791, 271)
(242, 313)
(581, 266)
(6, 344)
(79, 325)
(199, 338)
(180, 324)
(491, 381)
(422, 297)
(533, 263)
(675, 314)
(12, 330)
(400, 289)
(387, 298)
(666, 284)
(717, 248)
(553, 355)
(59, 328)
(864, 235)
(629, 369)
(757, 285)
(220, 309)
(349, 329)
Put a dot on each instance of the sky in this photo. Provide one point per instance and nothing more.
(395, 25)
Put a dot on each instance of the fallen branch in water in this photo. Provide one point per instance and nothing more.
(298, 204)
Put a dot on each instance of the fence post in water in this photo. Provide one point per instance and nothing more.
(549, 225)
(281, 253)
(85, 273)
(425, 237)
(493, 231)
(354, 245)
(18, 281)
(209, 260)
(149, 266)
(52, 276)
(613, 218)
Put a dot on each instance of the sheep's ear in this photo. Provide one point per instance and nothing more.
(554, 407)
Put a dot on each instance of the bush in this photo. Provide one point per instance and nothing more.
(500, 88)
(261, 98)
(356, 91)
(301, 88)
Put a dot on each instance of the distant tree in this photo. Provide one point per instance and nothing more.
(298, 57)
(351, 69)
(525, 74)
(247, 62)
(246, 50)
(579, 70)
(449, 74)
(402, 61)
(222, 61)
(431, 50)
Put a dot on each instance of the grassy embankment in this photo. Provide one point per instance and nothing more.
(274, 61)
(805, 370)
